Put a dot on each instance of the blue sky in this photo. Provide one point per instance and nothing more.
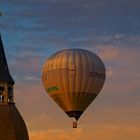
(32, 30)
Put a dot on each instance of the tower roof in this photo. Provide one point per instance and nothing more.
(4, 71)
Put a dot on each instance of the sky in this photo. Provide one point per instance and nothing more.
(32, 30)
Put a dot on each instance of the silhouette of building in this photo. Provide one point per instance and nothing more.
(12, 126)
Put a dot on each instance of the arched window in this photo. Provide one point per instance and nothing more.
(10, 94)
(1, 94)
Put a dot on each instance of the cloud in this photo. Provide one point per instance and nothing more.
(122, 65)
(108, 52)
(71, 16)
(110, 131)
(43, 136)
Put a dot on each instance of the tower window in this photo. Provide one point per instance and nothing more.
(10, 94)
(1, 94)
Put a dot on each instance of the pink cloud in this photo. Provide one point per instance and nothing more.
(100, 132)
(26, 65)
(108, 52)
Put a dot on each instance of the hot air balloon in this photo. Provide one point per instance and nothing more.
(73, 78)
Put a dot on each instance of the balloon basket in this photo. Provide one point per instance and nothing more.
(74, 124)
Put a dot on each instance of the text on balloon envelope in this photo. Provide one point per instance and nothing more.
(52, 89)
(97, 75)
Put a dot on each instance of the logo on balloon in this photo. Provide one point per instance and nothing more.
(97, 75)
(52, 89)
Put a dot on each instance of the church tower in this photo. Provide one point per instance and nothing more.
(12, 126)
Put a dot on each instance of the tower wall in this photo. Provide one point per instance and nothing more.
(12, 126)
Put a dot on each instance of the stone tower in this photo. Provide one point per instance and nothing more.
(12, 126)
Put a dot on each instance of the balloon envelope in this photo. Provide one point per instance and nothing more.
(73, 78)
